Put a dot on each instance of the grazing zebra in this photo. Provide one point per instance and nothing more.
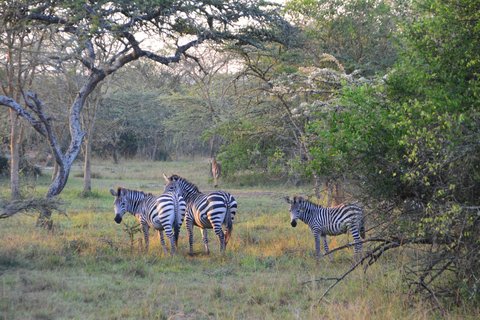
(206, 211)
(216, 171)
(328, 221)
(165, 212)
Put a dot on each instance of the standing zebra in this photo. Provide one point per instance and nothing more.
(216, 169)
(165, 212)
(206, 211)
(328, 221)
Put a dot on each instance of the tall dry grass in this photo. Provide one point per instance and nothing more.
(86, 269)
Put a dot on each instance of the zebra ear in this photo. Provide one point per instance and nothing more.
(113, 192)
(166, 178)
(288, 199)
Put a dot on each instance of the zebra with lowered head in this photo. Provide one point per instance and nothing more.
(330, 221)
(206, 211)
(164, 212)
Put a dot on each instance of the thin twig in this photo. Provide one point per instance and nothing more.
(339, 279)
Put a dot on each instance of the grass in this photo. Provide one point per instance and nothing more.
(86, 268)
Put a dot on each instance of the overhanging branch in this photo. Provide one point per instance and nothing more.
(12, 104)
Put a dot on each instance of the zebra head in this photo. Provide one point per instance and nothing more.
(180, 186)
(172, 183)
(119, 204)
(296, 209)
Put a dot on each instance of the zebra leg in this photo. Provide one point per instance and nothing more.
(176, 234)
(205, 240)
(221, 237)
(162, 241)
(145, 229)
(189, 225)
(172, 246)
(357, 245)
(317, 245)
(171, 235)
(325, 246)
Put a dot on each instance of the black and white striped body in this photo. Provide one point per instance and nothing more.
(206, 211)
(328, 221)
(163, 213)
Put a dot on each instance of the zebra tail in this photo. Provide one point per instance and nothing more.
(362, 225)
(176, 221)
(228, 218)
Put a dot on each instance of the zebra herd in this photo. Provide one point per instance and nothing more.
(183, 201)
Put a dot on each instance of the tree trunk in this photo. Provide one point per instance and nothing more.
(115, 156)
(338, 194)
(329, 191)
(15, 139)
(316, 185)
(54, 170)
(56, 186)
(87, 176)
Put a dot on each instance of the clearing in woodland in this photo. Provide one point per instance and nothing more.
(89, 267)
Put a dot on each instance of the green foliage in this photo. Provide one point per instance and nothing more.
(413, 141)
(360, 136)
(133, 117)
(245, 149)
(357, 32)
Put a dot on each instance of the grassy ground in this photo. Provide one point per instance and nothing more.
(87, 268)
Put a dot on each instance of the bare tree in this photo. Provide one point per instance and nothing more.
(78, 32)
(20, 47)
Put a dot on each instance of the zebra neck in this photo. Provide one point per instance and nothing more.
(191, 196)
(308, 212)
(306, 217)
(135, 203)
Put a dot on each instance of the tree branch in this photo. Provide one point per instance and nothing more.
(37, 107)
(34, 204)
(12, 104)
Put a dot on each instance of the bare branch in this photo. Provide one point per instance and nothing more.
(12, 104)
(34, 204)
(38, 108)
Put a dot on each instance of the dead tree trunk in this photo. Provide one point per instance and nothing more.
(87, 170)
(15, 140)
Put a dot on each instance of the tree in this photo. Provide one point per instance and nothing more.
(412, 141)
(281, 96)
(358, 33)
(205, 101)
(20, 47)
(79, 29)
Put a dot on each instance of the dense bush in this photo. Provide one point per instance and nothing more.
(412, 139)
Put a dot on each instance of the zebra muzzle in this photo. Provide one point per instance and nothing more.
(118, 218)
(293, 223)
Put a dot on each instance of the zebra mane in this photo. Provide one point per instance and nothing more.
(135, 191)
(307, 203)
(299, 200)
(184, 181)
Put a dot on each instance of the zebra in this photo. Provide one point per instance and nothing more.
(330, 221)
(216, 169)
(164, 212)
(206, 211)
